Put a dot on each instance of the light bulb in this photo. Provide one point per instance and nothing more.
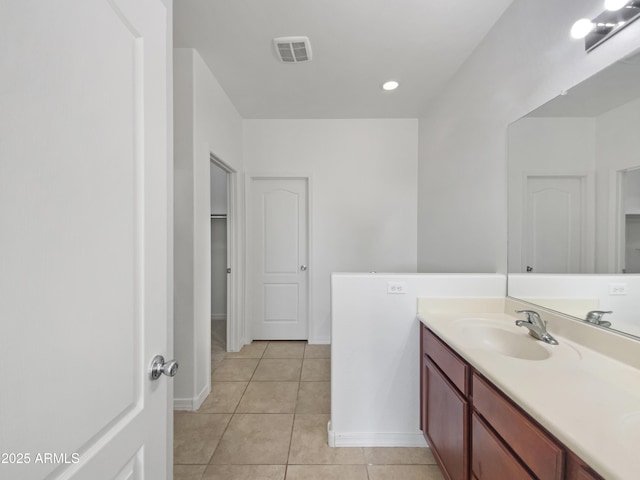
(582, 28)
(390, 85)
(614, 5)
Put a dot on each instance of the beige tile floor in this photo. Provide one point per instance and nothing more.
(266, 418)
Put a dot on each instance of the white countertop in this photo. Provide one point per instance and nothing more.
(589, 401)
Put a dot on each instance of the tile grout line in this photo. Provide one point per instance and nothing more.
(294, 414)
(233, 414)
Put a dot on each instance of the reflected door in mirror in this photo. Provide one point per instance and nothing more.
(554, 220)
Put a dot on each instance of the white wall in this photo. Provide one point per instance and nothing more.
(205, 122)
(525, 60)
(363, 194)
(375, 353)
(552, 146)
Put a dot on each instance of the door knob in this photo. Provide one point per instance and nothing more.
(159, 366)
(303, 268)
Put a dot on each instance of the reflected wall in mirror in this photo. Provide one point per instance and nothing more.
(574, 201)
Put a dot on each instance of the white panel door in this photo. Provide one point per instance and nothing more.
(553, 228)
(84, 231)
(277, 258)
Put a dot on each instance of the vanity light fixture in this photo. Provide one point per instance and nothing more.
(617, 15)
(615, 5)
(390, 85)
(582, 28)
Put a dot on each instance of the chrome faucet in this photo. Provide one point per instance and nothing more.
(595, 317)
(537, 328)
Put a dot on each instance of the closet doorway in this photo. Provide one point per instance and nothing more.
(221, 212)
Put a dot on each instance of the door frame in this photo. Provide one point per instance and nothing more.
(249, 178)
(587, 181)
(617, 221)
(234, 332)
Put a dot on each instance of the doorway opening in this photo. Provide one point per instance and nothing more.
(629, 221)
(222, 292)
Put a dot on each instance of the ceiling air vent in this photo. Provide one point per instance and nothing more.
(293, 49)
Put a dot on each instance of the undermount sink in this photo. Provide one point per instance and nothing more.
(497, 339)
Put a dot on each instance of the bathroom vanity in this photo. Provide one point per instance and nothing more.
(497, 403)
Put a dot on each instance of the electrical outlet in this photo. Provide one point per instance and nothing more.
(617, 289)
(396, 288)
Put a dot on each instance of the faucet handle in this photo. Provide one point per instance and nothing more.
(595, 316)
(529, 313)
(533, 317)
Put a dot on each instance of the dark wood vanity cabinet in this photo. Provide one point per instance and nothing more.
(476, 432)
(445, 406)
(446, 414)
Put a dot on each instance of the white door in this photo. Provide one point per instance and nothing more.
(84, 232)
(553, 228)
(278, 258)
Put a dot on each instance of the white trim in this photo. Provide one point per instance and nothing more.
(249, 177)
(616, 238)
(319, 341)
(181, 404)
(192, 404)
(375, 439)
(201, 397)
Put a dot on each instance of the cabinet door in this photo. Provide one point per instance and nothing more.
(491, 460)
(578, 470)
(446, 415)
(542, 455)
(423, 381)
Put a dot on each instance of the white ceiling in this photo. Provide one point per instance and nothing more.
(357, 45)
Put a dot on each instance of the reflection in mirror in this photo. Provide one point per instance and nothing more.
(630, 222)
(574, 201)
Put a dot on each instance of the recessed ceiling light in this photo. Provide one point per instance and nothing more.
(390, 85)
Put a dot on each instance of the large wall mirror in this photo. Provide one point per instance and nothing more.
(574, 201)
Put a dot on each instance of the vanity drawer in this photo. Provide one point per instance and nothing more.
(541, 454)
(576, 469)
(490, 459)
(452, 365)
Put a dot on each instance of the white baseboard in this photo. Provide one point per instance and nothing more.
(183, 404)
(375, 439)
(218, 316)
(192, 404)
(319, 341)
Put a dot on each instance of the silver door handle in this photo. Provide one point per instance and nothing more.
(303, 268)
(158, 367)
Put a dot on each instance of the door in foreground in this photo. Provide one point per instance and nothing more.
(84, 236)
